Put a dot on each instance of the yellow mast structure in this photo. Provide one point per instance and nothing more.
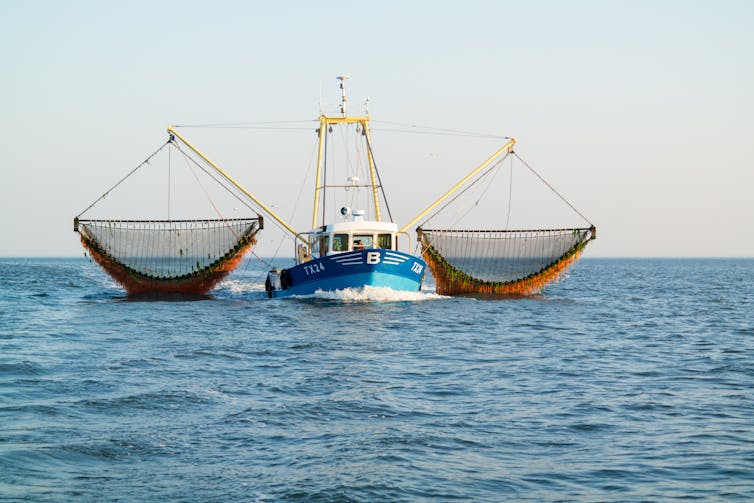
(240, 187)
(325, 122)
(508, 147)
(372, 168)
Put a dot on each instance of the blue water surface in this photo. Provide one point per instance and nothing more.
(630, 380)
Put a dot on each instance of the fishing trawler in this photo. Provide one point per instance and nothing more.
(355, 246)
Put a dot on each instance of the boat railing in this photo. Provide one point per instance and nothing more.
(303, 253)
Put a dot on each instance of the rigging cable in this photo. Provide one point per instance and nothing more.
(510, 196)
(357, 172)
(484, 191)
(243, 200)
(169, 166)
(220, 182)
(206, 194)
(298, 197)
(145, 161)
(438, 131)
(480, 177)
(474, 182)
(276, 125)
(553, 189)
(247, 125)
(379, 179)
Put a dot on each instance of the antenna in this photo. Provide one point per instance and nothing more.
(320, 98)
(366, 105)
(342, 79)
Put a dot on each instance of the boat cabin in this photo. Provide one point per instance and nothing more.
(348, 236)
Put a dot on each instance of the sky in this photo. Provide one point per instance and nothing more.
(640, 113)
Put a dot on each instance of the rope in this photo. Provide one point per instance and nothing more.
(212, 175)
(552, 189)
(438, 131)
(484, 191)
(245, 125)
(275, 125)
(145, 161)
(468, 187)
(510, 195)
(474, 182)
(268, 264)
(242, 199)
(169, 167)
(298, 198)
(206, 194)
(429, 240)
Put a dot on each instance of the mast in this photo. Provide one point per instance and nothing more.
(325, 121)
(322, 131)
(372, 170)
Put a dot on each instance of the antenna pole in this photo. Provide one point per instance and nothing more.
(320, 97)
(342, 79)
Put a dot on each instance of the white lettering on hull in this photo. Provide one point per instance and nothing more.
(314, 268)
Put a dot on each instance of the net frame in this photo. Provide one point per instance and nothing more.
(201, 278)
(450, 279)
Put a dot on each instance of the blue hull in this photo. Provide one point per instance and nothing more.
(373, 267)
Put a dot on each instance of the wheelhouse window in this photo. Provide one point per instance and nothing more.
(385, 241)
(363, 241)
(339, 242)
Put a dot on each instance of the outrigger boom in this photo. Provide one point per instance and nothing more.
(325, 122)
(508, 147)
(237, 185)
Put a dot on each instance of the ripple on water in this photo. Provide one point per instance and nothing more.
(589, 392)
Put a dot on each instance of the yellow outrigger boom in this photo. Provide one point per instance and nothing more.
(240, 187)
(508, 147)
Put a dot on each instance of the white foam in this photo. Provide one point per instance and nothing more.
(374, 294)
(237, 286)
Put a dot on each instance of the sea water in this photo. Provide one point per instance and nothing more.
(629, 380)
